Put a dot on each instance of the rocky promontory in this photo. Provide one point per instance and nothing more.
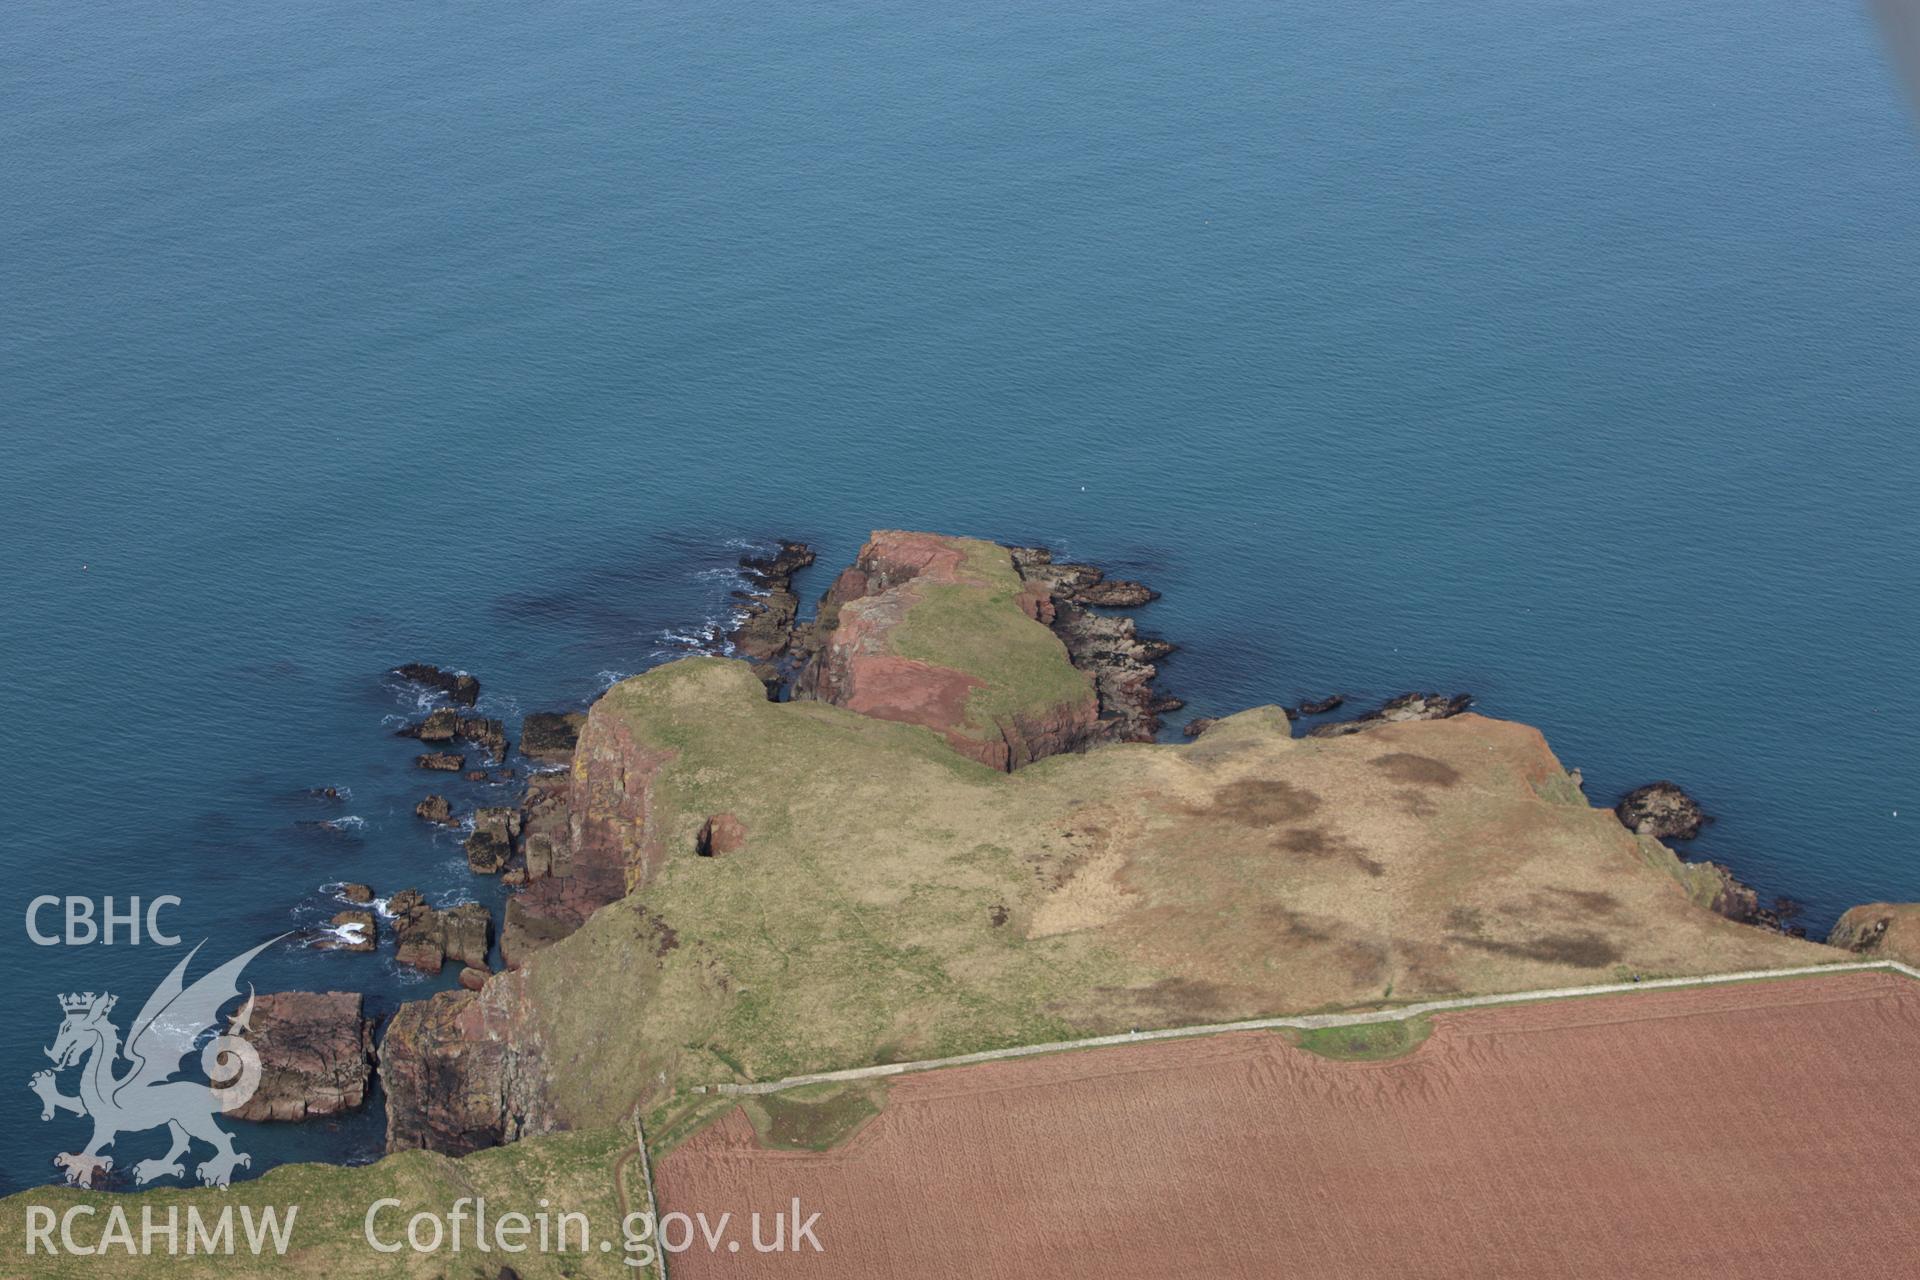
(720, 883)
(945, 633)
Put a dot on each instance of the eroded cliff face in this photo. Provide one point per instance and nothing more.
(466, 1069)
(609, 809)
(590, 841)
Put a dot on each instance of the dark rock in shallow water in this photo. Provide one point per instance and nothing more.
(325, 793)
(434, 809)
(460, 688)
(1080, 584)
(439, 726)
(491, 845)
(441, 761)
(765, 617)
(1733, 899)
(421, 942)
(469, 929)
(1661, 810)
(1115, 593)
(1408, 706)
(1320, 706)
(316, 1055)
(357, 892)
(1110, 649)
(476, 775)
(1714, 886)
(551, 735)
(1199, 725)
(445, 724)
(490, 734)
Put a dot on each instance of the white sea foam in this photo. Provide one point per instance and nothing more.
(710, 637)
(331, 937)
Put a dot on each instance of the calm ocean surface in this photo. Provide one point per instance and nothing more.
(1565, 353)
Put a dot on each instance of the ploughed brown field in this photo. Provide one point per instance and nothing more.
(1764, 1129)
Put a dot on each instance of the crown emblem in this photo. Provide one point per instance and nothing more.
(81, 1003)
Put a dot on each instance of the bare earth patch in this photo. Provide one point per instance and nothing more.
(1764, 1129)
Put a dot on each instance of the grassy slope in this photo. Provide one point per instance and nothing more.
(573, 1171)
(855, 924)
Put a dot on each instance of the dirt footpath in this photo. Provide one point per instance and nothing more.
(1765, 1129)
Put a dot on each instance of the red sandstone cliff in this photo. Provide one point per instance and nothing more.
(854, 665)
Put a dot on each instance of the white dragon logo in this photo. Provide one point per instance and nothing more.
(146, 1096)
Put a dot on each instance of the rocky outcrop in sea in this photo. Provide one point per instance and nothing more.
(1661, 810)
(1408, 706)
(460, 688)
(767, 612)
(316, 1055)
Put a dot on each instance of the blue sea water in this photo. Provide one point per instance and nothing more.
(1561, 352)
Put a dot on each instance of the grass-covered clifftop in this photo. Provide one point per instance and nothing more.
(891, 899)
